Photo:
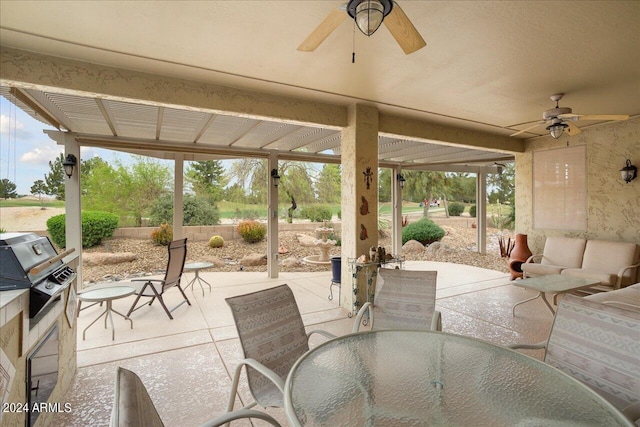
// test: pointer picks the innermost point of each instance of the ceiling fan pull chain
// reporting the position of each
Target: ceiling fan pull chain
(353, 54)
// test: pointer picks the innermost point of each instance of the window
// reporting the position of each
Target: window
(560, 189)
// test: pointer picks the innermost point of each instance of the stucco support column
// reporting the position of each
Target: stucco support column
(73, 205)
(396, 196)
(481, 211)
(178, 197)
(272, 220)
(359, 153)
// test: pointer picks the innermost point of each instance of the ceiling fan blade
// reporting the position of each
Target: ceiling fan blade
(403, 30)
(597, 116)
(323, 30)
(527, 129)
(572, 130)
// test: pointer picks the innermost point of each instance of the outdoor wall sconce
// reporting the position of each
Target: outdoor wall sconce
(401, 180)
(275, 177)
(629, 172)
(69, 164)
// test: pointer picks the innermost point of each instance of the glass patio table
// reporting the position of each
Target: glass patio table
(420, 378)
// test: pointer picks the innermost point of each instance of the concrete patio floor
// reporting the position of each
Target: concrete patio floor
(187, 363)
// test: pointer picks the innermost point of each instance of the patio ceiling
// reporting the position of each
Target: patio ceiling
(488, 67)
(162, 132)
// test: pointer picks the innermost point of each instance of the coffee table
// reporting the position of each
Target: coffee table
(196, 267)
(551, 283)
(107, 295)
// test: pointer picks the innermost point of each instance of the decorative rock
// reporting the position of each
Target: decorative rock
(438, 249)
(412, 246)
(254, 259)
(306, 240)
(291, 262)
(104, 258)
(450, 231)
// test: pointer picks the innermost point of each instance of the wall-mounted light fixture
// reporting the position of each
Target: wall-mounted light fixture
(275, 177)
(401, 180)
(629, 172)
(69, 164)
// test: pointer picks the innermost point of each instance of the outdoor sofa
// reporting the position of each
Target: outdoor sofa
(613, 264)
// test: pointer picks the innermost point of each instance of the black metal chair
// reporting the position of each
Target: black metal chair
(155, 288)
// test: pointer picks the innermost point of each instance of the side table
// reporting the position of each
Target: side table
(196, 267)
(107, 295)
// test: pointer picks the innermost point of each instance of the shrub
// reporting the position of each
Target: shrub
(216, 242)
(162, 235)
(424, 231)
(2, 230)
(252, 231)
(456, 209)
(95, 227)
(472, 211)
(196, 211)
(317, 213)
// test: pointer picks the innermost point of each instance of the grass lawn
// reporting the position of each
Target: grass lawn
(25, 202)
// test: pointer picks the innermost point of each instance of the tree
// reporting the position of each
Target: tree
(502, 185)
(55, 178)
(424, 186)
(7, 189)
(328, 186)
(207, 179)
(39, 188)
(384, 185)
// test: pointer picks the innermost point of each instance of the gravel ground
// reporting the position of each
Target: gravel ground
(458, 247)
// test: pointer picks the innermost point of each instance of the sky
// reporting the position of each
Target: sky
(25, 150)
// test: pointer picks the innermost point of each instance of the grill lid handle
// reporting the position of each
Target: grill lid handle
(38, 268)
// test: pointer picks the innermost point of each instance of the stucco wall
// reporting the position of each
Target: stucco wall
(613, 207)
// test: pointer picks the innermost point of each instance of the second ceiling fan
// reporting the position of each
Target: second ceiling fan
(368, 15)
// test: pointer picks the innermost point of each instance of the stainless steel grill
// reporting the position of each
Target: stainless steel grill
(29, 261)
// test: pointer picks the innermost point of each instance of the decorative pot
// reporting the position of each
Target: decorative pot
(519, 255)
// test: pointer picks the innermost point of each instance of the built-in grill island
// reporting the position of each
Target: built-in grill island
(29, 261)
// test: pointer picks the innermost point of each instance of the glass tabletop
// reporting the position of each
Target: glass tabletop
(555, 283)
(420, 378)
(104, 294)
(199, 265)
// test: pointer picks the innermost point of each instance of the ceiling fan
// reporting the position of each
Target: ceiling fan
(560, 119)
(368, 15)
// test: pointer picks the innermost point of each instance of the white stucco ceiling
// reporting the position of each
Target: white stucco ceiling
(487, 65)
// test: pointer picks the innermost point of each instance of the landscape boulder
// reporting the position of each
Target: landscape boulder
(439, 249)
(306, 240)
(413, 246)
(107, 258)
(291, 262)
(254, 259)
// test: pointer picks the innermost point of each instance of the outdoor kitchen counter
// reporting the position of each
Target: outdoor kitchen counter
(12, 303)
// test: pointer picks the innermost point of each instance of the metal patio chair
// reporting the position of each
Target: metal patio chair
(273, 338)
(155, 288)
(404, 299)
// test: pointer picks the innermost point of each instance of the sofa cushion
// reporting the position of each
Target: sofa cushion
(605, 279)
(563, 251)
(609, 257)
(533, 269)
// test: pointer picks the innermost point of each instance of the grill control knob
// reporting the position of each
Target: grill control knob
(48, 285)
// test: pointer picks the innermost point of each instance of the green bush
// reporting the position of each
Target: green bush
(424, 231)
(472, 211)
(456, 209)
(95, 227)
(162, 235)
(252, 231)
(216, 242)
(316, 213)
(196, 211)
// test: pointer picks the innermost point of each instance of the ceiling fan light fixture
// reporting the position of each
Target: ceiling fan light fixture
(369, 14)
(556, 129)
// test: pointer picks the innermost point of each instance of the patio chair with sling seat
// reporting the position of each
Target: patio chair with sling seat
(403, 299)
(133, 407)
(273, 338)
(155, 288)
(599, 345)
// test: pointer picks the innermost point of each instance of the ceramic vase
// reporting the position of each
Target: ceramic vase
(519, 255)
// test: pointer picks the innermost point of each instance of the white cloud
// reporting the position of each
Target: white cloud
(8, 126)
(41, 155)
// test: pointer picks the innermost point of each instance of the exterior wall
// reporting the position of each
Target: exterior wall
(613, 207)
